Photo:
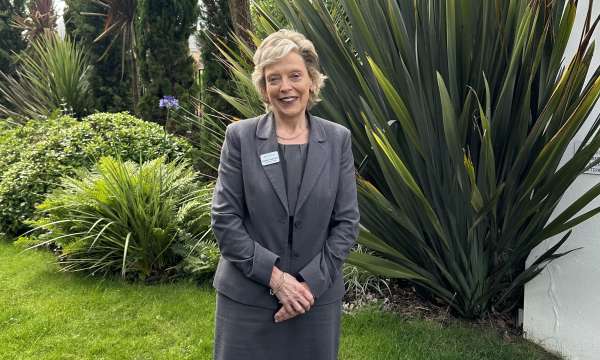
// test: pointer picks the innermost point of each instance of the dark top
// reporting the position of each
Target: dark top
(293, 159)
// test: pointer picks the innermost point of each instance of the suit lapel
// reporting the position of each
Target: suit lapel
(266, 143)
(315, 159)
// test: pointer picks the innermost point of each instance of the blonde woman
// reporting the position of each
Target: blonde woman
(285, 215)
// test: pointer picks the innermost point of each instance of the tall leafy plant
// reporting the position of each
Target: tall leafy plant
(461, 112)
(166, 66)
(215, 23)
(119, 18)
(11, 40)
(52, 74)
(110, 76)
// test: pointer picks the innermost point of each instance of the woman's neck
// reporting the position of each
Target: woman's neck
(291, 125)
(292, 130)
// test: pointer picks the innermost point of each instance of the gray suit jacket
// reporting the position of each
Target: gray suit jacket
(251, 221)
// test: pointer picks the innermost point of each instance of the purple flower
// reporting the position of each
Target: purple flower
(169, 102)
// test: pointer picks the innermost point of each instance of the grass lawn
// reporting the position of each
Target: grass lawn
(45, 314)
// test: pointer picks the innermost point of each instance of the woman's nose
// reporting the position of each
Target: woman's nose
(285, 84)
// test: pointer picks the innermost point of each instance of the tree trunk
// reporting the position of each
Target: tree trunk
(240, 17)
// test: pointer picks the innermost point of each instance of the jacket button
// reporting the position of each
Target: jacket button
(298, 224)
(296, 254)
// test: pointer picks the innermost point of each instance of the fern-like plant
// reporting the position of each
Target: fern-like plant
(124, 218)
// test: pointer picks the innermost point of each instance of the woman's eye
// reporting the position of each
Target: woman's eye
(273, 80)
(296, 76)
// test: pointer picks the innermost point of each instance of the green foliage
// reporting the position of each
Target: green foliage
(10, 37)
(458, 135)
(109, 78)
(199, 260)
(216, 25)
(206, 134)
(359, 283)
(124, 218)
(52, 74)
(166, 66)
(460, 119)
(237, 57)
(119, 17)
(34, 156)
(267, 10)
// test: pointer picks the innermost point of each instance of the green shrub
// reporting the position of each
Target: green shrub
(199, 262)
(34, 156)
(52, 74)
(129, 219)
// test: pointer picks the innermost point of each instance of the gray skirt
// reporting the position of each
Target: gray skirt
(249, 332)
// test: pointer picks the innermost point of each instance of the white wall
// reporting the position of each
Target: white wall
(562, 305)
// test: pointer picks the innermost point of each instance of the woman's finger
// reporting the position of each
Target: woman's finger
(308, 295)
(294, 307)
(289, 308)
(304, 303)
(281, 315)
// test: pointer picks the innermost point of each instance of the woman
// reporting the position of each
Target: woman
(285, 215)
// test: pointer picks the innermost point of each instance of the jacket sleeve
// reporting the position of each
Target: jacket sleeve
(227, 214)
(324, 268)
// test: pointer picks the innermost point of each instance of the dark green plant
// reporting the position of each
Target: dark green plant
(199, 262)
(166, 66)
(461, 112)
(125, 218)
(10, 37)
(215, 25)
(52, 74)
(119, 18)
(33, 157)
(110, 79)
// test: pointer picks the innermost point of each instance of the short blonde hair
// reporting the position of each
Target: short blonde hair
(278, 45)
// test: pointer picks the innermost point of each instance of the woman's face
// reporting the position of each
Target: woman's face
(288, 87)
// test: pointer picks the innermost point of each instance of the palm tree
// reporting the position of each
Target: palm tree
(40, 20)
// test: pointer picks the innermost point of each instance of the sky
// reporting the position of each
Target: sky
(59, 6)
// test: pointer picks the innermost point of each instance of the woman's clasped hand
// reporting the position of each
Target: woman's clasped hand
(295, 297)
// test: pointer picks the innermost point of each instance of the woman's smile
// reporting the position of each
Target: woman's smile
(288, 99)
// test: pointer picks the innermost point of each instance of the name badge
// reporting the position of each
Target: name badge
(269, 158)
